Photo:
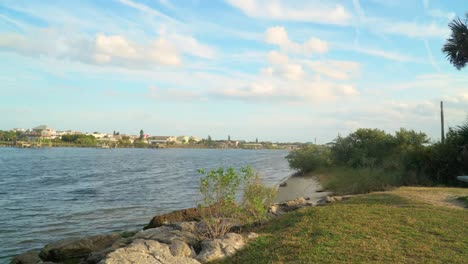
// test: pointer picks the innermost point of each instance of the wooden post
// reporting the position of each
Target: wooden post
(442, 121)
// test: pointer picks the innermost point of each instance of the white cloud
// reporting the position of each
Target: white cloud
(163, 52)
(292, 71)
(279, 36)
(144, 8)
(104, 48)
(272, 88)
(414, 30)
(311, 11)
(192, 46)
(437, 13)
(275, 57)
(116, 46)
(389, 55)
(335, 69)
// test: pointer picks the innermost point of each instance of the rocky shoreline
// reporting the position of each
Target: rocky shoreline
(176, 237)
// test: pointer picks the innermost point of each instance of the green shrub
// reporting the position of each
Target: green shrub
(256, 198)
(309, 158)
(219, 189)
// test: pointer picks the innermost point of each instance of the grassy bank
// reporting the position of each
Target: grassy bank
(406, 225)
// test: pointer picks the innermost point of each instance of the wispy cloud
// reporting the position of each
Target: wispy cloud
(312, 11)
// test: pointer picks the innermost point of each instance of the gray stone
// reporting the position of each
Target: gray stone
(181, 249)
(76, 248)
(213, 249)
(186, 226)
(145, 252)
(337, 198)
(329, 199)
(30, 257)
(167, 234)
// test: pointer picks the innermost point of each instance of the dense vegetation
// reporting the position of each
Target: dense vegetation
(373, 160)
(391, 227)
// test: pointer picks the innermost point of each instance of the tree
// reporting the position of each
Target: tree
(209, 138)
(142, 134)
(256, 140)
(456, 47)
(229, 137)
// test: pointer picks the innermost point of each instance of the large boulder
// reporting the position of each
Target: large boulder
(181, 249)
(190, 214)
(213, 249)
(30, 257)
(77, 248)
(168, 234)
(146, 252)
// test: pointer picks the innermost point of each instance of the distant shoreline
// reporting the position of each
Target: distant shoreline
(171, 147)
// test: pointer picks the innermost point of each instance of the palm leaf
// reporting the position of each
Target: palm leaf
(456, 47)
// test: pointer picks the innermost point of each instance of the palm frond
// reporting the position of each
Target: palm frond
(456, 47)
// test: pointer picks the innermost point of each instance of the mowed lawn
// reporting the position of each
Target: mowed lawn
(399, 226)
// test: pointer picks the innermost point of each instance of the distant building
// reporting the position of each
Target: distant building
(183, 139)
(45, 131)
(162, 139)
(98, 135)
(194, 139)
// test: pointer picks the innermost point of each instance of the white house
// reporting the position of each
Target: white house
(183, 139)
(161, 139)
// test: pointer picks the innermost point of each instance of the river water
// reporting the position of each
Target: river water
(54, 193)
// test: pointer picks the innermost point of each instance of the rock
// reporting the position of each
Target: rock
(76, 248)
(145, 252)
(293, 204)
(273, 208)
(329, 199)
(252, 235)
(186, 226)
(190, 214)
(346, 197)
(213, 249)
(168, 234)
(283, 184)
(181, 249)
(337, 198)
(30, 257)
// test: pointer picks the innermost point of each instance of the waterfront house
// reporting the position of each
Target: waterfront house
(45, 131)
(162, 140)
(183, 139)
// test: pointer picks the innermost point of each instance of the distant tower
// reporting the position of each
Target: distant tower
(256, 140)
(229, 137)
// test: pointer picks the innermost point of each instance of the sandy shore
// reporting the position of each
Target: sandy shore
(300, 186)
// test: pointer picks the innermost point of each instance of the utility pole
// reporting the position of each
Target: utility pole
(442, 121)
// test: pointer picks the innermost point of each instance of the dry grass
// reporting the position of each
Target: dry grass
(438, 196)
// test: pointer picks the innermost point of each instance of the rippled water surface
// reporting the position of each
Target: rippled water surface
(54, 193)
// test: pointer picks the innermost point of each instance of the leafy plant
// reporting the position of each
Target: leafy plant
(220, 189)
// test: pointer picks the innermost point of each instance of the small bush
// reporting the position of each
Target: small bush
(219, 189)
(255, 200)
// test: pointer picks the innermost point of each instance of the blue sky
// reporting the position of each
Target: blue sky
(276, 70)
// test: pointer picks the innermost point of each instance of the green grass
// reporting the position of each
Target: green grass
(371, 228)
